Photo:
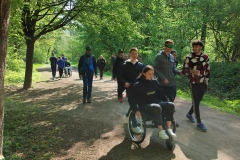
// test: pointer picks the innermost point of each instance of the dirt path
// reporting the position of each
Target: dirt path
(98, 130)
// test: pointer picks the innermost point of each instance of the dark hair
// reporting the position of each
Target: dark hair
(145, 70)
(133, 49)
(173, 51)
(168, 41)
(88, 48)
(120, 51)
(197, 42)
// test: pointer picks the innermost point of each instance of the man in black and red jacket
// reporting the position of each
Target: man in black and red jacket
(197, 67)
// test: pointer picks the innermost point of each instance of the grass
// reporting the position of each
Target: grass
(226, 106)
(23, 139)
(16, 78)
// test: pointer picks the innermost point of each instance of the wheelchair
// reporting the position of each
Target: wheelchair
(67, 74)
(146, 122)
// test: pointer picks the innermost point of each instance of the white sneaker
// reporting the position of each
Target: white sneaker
(171, 133)
(137, 130)
(163, 135)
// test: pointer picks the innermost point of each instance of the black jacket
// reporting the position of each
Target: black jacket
(101, 63)
(129, 71)
(147, 92)
(67, 64)
(117, 64)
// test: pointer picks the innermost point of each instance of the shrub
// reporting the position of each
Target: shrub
(14, 64)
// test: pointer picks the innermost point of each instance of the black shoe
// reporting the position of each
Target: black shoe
(89, 101)
(84, 100)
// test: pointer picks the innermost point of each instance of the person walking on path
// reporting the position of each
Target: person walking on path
(112, 59)
(116, 74)
(129, 72)
(87, 68)
(197, 67)
(53, 63)
(164, 70)
(101, 63)
(61, 65)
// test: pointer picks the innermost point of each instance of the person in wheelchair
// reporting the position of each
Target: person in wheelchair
(67, 68)
(152, 101)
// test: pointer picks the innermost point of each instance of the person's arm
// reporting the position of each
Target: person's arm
(122, 74)
(80, 62)
(157, 67)
(94, 65)
(160, 92)
(186, 67)
(207, 70)
(104, 63)
(114, 69)
(134, 88)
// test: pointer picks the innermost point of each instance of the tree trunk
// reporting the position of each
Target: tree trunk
(204, 26)
(4, 22)
(29, 63)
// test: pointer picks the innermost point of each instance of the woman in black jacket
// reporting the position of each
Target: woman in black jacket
(101, 63)
(149, 97)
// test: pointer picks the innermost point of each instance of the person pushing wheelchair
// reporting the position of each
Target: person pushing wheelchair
(152, 101)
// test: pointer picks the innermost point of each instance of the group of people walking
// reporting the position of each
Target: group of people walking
(146, 94)
(61, 63)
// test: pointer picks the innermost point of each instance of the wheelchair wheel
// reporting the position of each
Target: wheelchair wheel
(169, 142)
(136, 137)
(170, 145)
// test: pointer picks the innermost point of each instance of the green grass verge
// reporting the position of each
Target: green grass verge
(16, 78)
(23, 137)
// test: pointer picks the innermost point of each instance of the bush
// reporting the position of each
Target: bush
(224, 80)
(14, 64)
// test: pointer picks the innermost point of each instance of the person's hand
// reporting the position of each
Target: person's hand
(138, 114)
(181, 74)
(127, 85)
(166, 81)
(115, 79)
(80, 76)
(95, 76)
(195, 72)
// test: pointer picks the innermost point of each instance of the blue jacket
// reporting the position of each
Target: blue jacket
(87, 65)
(60, 63)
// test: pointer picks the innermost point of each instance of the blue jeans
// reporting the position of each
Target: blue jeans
(87, 86)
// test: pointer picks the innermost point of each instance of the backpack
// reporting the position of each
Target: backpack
(87, 65)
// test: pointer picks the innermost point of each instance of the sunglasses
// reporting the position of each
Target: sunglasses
(170, 46)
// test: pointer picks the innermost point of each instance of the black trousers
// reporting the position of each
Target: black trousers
(197, 92)
(158, 111)
(120, 88)
(101, 72)
(60, 70)
(170, 92)
(53, 68)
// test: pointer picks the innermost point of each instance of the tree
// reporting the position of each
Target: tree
(41, 17)
(4, 22)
